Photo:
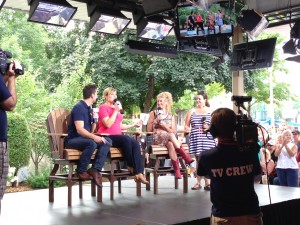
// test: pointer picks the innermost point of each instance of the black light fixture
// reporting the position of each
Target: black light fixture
(252, 22)
(2, 3)
(290, 47)
(107, 20)
(52, 12)
(153, 27)
(147, 48)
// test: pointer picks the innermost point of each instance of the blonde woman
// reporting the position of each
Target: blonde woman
(162, 123)
(287, 167)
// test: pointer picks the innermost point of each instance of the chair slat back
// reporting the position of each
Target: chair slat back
(57, 123)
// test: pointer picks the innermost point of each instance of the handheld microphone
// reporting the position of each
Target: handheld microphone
(95, 110)
(118, 103)
(159, 111)
(203, 120)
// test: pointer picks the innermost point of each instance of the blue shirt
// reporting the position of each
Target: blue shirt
(80, 112)
(4, 94)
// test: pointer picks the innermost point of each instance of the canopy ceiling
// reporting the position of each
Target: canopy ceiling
(278, 12)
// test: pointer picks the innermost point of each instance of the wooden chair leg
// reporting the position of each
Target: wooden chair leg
(93, 189)
(112, 179)
(138, 189)
(148, 179)
(80, 189)
(69, 184)
(185, 182)
(99, 194)
(51, 190)
(176, 182)
(119, 185)
(155, 184)
(51, 183)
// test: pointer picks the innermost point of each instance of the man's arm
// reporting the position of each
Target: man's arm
(84, 133)
(10, 77)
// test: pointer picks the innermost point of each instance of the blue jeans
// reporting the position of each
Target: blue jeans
(288, 177)
(88, 146)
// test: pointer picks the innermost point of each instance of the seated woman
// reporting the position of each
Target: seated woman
(110, 122)
(162, 123)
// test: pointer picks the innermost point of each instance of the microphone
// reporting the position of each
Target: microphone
(203, 120)
(95, 110)
(118, 103)
(159, 111)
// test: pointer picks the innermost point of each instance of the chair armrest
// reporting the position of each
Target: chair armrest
(62, 135)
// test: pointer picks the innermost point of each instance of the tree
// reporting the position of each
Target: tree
(139, 78)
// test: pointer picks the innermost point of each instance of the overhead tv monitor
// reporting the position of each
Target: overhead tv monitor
(253, 55)
(194, 22)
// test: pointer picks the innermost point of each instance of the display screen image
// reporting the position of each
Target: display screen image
(195, 22)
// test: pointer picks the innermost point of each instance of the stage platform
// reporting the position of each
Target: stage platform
(170, 206)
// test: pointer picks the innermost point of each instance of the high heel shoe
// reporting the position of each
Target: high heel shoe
(130, 169)
(140, 177)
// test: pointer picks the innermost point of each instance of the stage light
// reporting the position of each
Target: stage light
(147, 48)
(2, 3)
(107, 20)
(53, 12)
(153, 28)
(289, 47)
(252, 22)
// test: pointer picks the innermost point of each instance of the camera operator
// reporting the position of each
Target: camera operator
(8, 100)
(232, 172)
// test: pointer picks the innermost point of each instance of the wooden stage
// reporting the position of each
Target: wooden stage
(170, 206)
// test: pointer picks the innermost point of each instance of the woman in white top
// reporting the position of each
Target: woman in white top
(287, 167)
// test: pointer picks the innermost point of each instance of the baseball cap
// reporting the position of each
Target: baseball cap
(295, 131)
(270, 143)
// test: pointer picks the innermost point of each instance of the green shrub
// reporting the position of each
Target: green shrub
(19, 140)
(41, 180)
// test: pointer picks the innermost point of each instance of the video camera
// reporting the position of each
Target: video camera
(4, 64)
(246, 129)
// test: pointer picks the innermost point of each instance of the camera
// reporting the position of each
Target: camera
(246, 129)
(4, 64)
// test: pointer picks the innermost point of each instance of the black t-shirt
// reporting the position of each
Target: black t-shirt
(232, 179)
(4, 94)
(80, 112)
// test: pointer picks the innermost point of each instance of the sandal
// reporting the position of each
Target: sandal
(197, 187)
(207, 187)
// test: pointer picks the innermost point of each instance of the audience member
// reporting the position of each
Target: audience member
(287, 167)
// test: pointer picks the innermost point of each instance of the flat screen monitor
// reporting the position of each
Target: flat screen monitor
(253, 55)
(194, 22)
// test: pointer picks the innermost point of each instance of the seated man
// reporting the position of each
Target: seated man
(81, 137)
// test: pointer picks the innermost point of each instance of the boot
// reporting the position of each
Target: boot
(188, 160)
(176, 169)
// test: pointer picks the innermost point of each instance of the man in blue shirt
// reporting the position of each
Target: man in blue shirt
(81, 137)
(8, 100)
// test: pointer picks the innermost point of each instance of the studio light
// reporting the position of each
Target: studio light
(53, 12)
(289, 47)
(252, 22)
(107, 20)
(2, 3)
(153, 28)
